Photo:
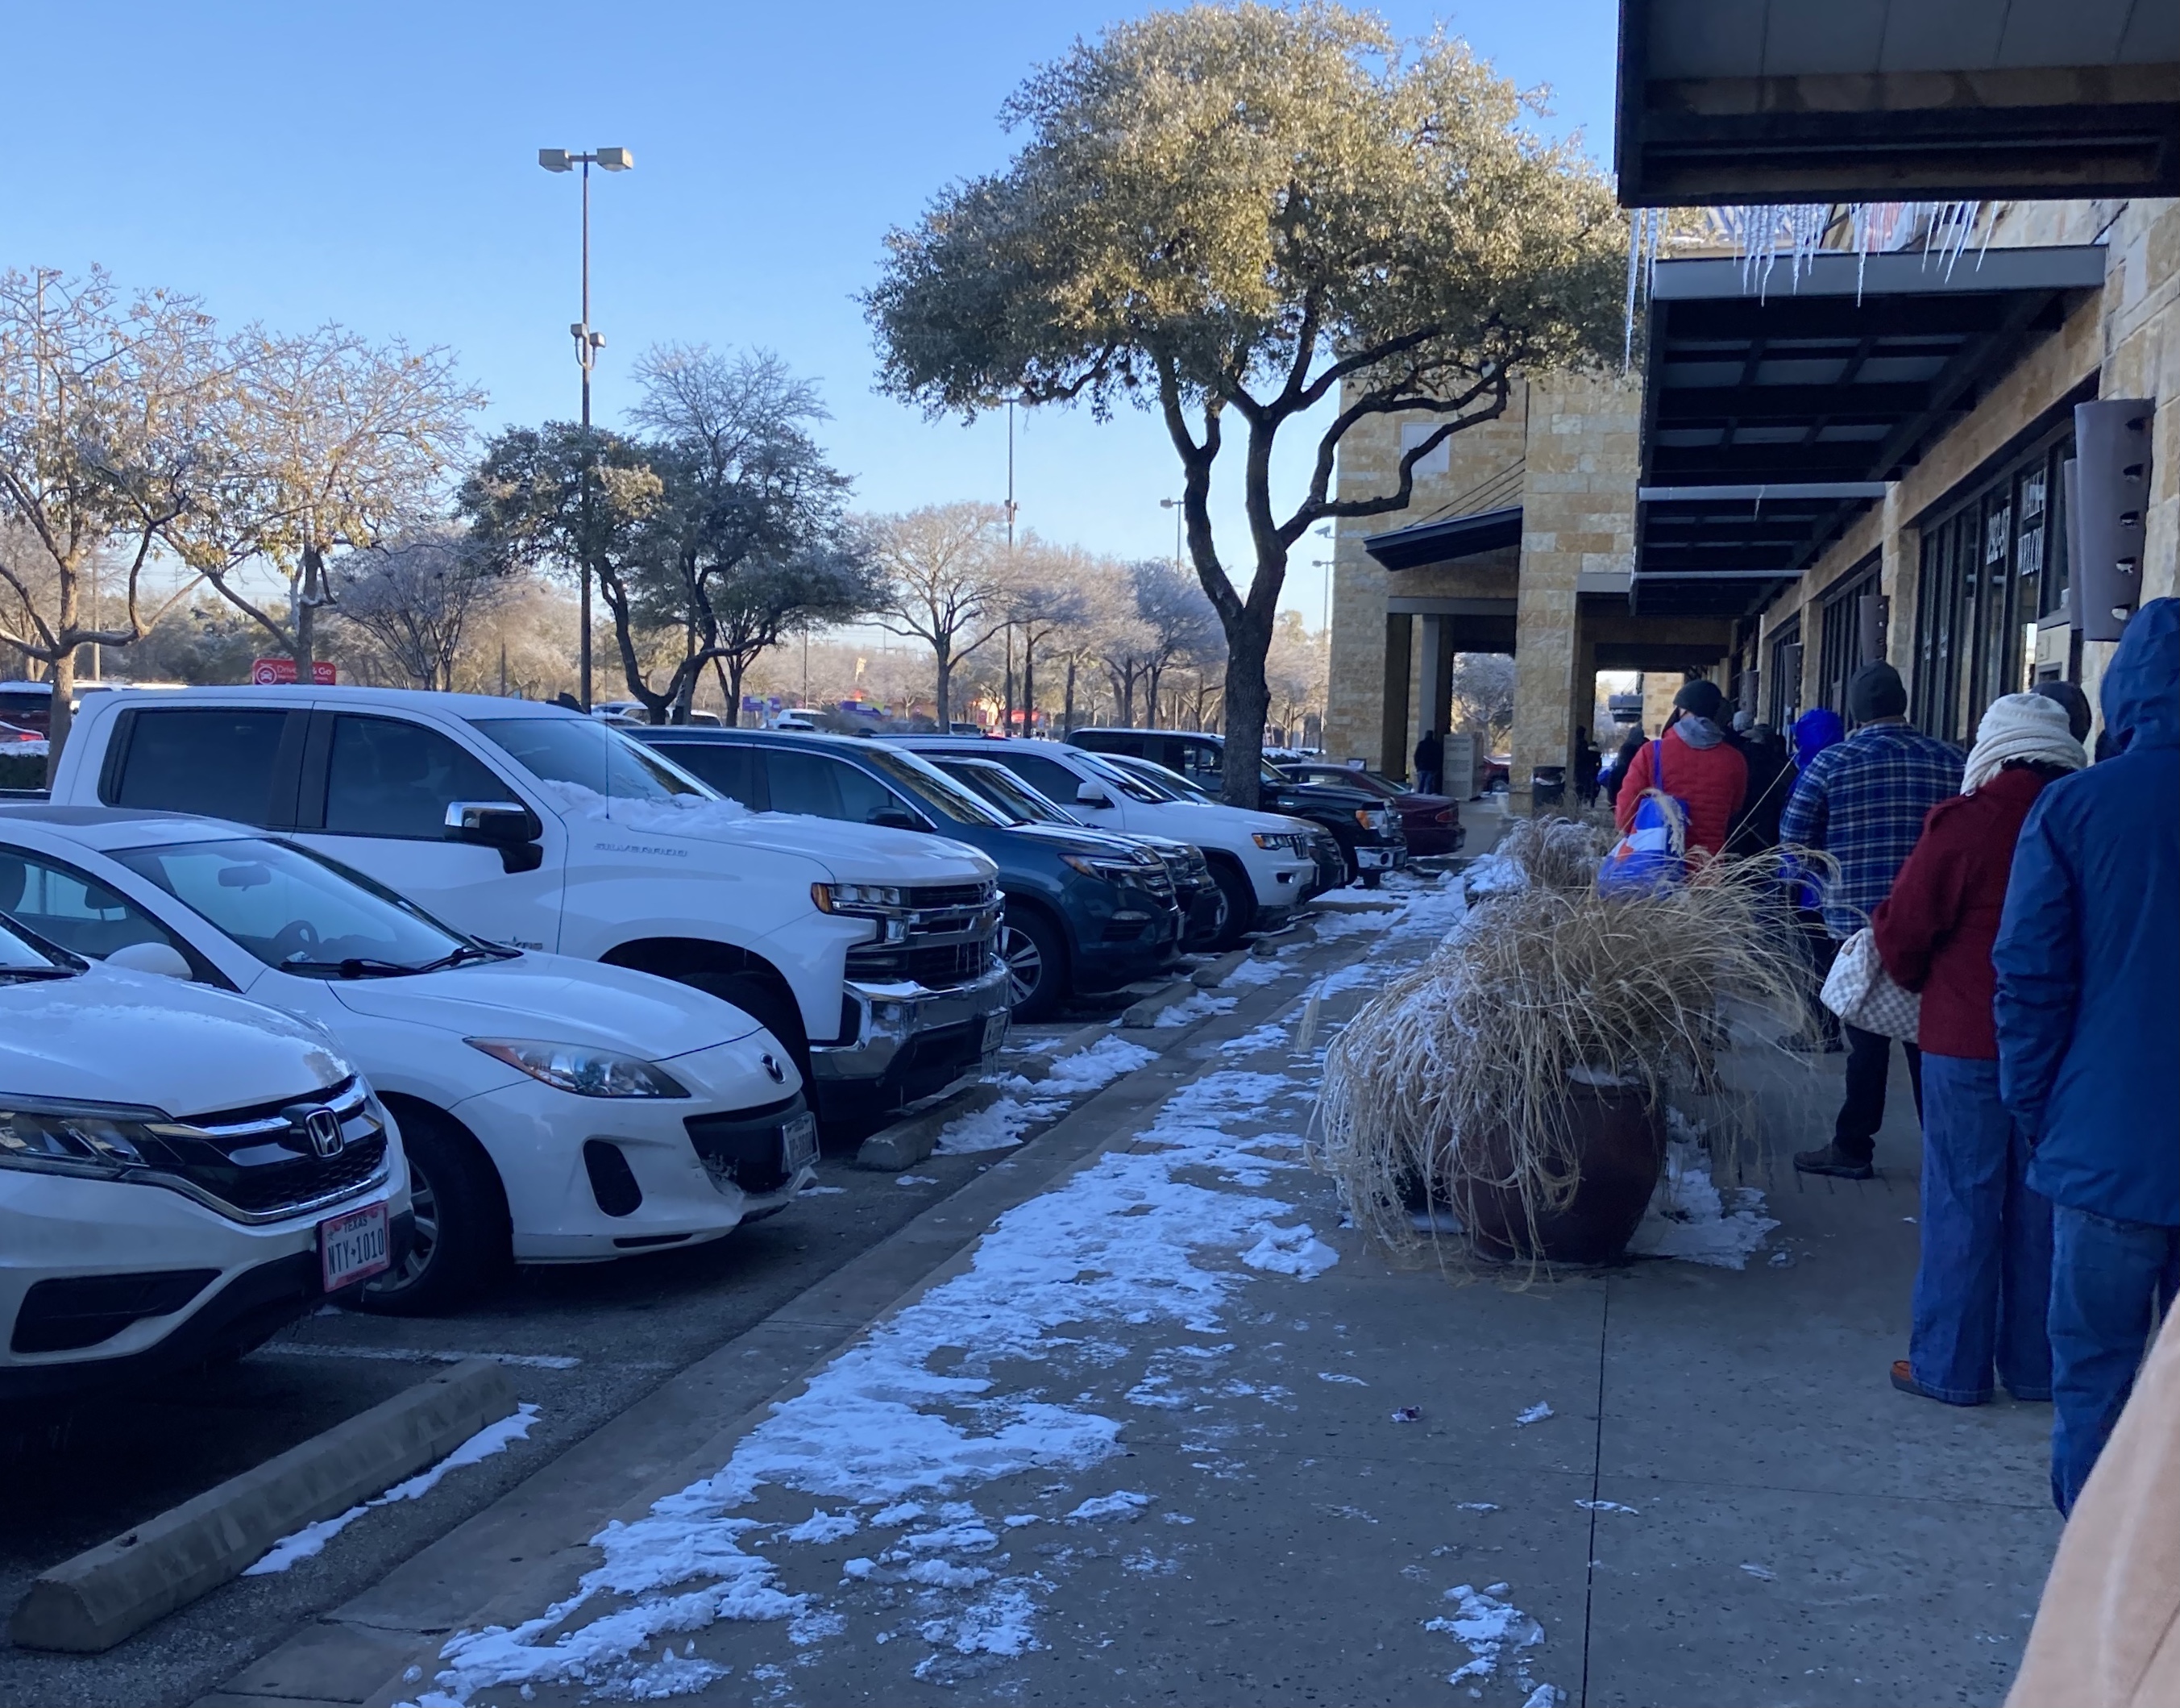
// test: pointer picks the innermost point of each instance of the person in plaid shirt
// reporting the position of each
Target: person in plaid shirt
(1863, 802)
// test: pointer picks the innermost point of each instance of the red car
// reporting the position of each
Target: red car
(1431, 823)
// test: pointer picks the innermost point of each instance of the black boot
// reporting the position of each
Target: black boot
(1833, 1161)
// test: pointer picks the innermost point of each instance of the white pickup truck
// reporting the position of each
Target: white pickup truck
(870, 952)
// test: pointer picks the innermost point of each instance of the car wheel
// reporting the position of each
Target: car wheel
(461, 1237)
(1241, 903)
(1037, 965)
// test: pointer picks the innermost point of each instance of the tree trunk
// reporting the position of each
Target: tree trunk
(730, 684)
(62, 674)
(302, 621)
(942, 694)
(1247, 700)
(1067, 712)
(1151, 698)
(1029, 681)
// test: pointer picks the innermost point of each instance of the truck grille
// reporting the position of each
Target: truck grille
(258, 1163)
(937, 967)
(931, 895)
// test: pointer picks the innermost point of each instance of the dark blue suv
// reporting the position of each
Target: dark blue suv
(1085, 911)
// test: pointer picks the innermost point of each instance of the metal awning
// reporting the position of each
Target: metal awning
(1783, 101)
(1447, 540)
(1777, 405)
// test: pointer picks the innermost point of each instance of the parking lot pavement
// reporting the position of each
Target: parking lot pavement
(583, 1343)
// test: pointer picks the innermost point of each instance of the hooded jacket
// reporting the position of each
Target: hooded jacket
(1814, 731)
(2088, 1001)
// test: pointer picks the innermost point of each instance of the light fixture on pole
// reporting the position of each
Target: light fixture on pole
(588, 344)
(1174, 505)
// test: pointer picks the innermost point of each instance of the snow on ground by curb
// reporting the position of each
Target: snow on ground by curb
(1689, 1218)
(1002, 1124)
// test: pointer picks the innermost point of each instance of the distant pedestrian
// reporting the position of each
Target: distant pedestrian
(2088, 1008)
(1985, 1278)
(1695, 765)
(1755, 827)
(1814, 731)
(1585, 769)
(1863, 803)
(1430, 763)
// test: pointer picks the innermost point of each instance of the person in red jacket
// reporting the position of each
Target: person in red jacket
(1983, 1282)
(1703, 770)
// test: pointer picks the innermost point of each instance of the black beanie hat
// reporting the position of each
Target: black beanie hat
(1876, 692)
(1701, 698)
(2076, 703)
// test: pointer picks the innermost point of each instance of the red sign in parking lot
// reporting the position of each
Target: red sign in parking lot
(274, 670)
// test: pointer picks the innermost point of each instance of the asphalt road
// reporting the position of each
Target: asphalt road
(582, 1343)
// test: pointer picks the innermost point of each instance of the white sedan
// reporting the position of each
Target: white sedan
(554, 1111)
(182, 1173)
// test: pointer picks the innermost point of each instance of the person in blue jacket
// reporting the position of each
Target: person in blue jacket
(2088, 1025)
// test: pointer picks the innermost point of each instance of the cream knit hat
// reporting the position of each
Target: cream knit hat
(2021, 726)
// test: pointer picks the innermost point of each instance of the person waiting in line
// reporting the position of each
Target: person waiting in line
(1755, 828)
(1814, 731)
(1585, 769)
(2088, 1008)
(2070, 695)
(1430, 763)
(1630, 744)
(1695, 765)
(1985, 1278)
(1863, 803)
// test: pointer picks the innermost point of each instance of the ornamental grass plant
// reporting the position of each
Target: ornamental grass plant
(1455, 1078)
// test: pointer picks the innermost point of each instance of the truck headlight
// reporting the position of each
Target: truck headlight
(1377, 818)
(865, 899)
(585, 1072)
(1278, 841)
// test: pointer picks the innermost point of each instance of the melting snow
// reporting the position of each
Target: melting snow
(1688, 1217)
(1491, 1627)
(1535, 1414)
(311, 1538)
(1197, 1006)
(1296, 1251)
(1123, 1503)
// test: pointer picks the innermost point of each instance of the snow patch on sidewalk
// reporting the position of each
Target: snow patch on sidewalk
(1690, 1219)
(1118, 1243)
(1294, 1251)
(1494, 1631)
(1200, 1005)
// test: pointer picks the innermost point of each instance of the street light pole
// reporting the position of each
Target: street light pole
(588, 344)
(1174, 505)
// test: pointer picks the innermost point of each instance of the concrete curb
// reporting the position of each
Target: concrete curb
(906, 1142)
(87, 1605)
(1146, 1012)
(1210, 978)
(1351, 904)
(1039, 1067)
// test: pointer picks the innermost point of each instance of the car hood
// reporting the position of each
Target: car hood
(851, 853)
(1232, 818)
(1068, 842)
(555, 998)
(115, 1036)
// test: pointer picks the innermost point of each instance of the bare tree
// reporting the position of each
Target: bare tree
(338, 442)
(1180, 626)
(108, 411)
(419, 596)
(945, 574)
(1048, 594)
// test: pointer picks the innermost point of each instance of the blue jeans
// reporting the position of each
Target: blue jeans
(1985, 1283)
(2108, 1280)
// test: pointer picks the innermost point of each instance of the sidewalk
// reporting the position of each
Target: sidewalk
(1168, 1432)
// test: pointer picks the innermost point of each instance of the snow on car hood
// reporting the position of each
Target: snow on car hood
(115, 1036)
(851, 853)
(555, 998)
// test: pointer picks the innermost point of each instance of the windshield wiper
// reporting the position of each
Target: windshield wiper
(468, 952)
(35, 972)
(364, 966)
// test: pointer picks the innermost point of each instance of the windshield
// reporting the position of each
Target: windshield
(1005, 790)
(932, 787)
(1343, 777)
(589, 756)
(298, 913)
(1122, 777)
(1161, 784)
(24, 955)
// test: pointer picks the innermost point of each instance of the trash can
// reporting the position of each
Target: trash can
(1547, 787)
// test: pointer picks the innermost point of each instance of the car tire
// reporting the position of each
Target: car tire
(1036, 955)
(1241, 903)
(1374, 880)
(462, 1238)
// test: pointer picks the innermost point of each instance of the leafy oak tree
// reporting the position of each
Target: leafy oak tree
(1231, 215)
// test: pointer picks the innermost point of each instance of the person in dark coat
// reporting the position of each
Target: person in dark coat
(1863, 802)
(2088, 1008)
(1430, 762)
(1630, 744)
(1770, 780)
(1985, 1277)
(1585, 769)
(2077, 703)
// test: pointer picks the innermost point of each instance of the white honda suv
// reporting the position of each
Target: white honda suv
(182, 1173)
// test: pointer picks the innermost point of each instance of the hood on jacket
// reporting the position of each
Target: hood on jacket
(1814, 731)
(2142, 684)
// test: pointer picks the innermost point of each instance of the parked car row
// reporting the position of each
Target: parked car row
(364, 995)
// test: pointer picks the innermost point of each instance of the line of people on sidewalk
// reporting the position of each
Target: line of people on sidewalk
(2033, 902)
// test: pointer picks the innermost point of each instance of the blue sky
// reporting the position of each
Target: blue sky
(376, 164)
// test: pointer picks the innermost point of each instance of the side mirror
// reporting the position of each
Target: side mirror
(1091, 794)
(162, 958)
(506, 825)
(896, 818)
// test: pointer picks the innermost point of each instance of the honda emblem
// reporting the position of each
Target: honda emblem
(323, 1129)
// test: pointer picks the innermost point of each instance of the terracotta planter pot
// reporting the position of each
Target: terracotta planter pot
(1620, 1137)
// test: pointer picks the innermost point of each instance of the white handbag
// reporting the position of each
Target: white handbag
(1861, 993)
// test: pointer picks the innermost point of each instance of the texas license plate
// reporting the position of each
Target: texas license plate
(352, 1246)
(995, 1032)
(801, 1135)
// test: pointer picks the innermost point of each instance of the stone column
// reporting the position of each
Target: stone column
(1400, 645)
(1436, 708)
